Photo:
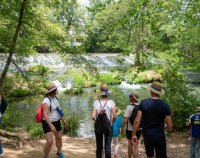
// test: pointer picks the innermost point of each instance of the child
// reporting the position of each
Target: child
(116, 130)
(194, 121)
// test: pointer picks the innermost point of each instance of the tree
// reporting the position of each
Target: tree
(26, 24)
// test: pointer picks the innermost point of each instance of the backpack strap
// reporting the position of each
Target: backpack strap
(104, 104)
(130, 115)
(50, 101)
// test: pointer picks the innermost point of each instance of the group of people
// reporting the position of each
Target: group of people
(153, 116)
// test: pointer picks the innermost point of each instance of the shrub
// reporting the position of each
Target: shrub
(38, 69)
(20, 92)
(106, 78)
(9, 119)
(147, 76)
(73, 125)
(78, 80)
(36, 131)
(74, 91)
(178, 95)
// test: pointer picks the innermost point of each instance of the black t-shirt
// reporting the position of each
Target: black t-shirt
(153, 114)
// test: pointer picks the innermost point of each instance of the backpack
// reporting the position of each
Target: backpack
(102, 123)
(39, 113)
(134, 114)
(3, 106)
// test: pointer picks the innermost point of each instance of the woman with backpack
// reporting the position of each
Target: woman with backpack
(129, 116)
(52, 114)
(104, 115)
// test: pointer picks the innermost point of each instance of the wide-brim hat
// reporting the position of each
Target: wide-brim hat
(51, 88)
(156, 88)
(197, 109)
(104, 90)
(135, 95)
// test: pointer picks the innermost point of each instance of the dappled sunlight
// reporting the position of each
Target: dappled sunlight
(177, 147)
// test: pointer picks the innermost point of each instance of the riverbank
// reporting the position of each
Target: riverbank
(177, 146)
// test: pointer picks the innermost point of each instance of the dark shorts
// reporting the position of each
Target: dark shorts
(129, 134)
(47, 129)
(155, 142)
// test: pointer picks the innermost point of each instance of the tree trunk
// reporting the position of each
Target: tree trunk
(13, 44)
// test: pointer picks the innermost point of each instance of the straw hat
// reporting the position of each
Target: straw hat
(156, 88)
(104, 90)
(197, 109)
(135, 95)
(51, 88)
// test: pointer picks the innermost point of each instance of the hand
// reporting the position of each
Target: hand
(65, 124)
(134, 139)
(53, 129)
(94, 118)
(187, 124)
(122, 131)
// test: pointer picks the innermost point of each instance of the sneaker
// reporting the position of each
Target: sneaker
(60, 155)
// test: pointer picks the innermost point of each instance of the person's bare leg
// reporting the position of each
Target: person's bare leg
(48, 144)
(115, 142)
(135, 150)
(58, 137)
(130, 148)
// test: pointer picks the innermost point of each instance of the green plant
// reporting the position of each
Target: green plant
(106, 78)
(20, 92)
(78, 80)
(178, 95)
(9, 119)
(38, 69)
(73, 125)
(36, 131)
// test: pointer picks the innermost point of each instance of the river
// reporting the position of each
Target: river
(76, 105)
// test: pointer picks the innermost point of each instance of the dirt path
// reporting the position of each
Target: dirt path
(178, 147)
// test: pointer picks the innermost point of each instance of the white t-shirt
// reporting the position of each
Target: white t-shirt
(108, 107)
(53, 114)
(127, 115)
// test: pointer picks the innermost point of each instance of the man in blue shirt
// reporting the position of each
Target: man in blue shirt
(155, 113)
(194, 120)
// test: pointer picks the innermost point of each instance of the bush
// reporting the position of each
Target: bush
(178, 95)
(106, 78)
(74, 91)
(9, 82)
(20, 92)
(36, 131)
(147, 77)
(9, 119)
(78, 80)
(133, 76)
(38, 69)
(73, 125)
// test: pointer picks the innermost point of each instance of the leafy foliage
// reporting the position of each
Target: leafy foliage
(35, 131)
(178, 95)
(73, 125)
(38, 69)
(9, 119)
